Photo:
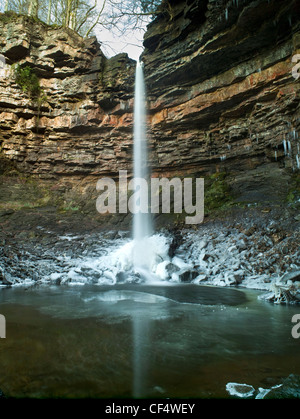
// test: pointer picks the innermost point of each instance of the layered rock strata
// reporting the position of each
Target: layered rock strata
(222, 94)
(221, 97)
(81, 126)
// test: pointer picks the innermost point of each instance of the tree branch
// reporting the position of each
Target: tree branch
(97, 20)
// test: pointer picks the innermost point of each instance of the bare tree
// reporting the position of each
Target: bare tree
(49, 12)
(86, 16)
(18, 6)
(33, 7)
(132, 14)
(96, 22)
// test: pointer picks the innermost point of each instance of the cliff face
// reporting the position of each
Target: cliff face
(221, 91)
(221, 97)
(81, 123)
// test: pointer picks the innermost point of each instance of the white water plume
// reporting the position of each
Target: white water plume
(142, 222)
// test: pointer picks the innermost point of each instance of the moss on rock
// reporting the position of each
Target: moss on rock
(217, 192)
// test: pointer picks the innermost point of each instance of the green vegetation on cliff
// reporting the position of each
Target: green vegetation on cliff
(29, 82)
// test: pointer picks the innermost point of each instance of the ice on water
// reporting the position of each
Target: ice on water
(114, 296)
(117, 263)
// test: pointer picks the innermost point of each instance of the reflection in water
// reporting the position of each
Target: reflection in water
(122, 341)
(141, 333)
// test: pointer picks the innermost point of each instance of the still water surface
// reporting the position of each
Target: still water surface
(142, 341)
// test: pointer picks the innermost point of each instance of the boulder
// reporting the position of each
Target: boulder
(289, 389)
(187, 275)
(290, 276)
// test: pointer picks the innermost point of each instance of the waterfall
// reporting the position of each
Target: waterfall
(142, 223)
(142, 226)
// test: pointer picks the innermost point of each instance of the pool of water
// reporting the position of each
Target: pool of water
(142, 341)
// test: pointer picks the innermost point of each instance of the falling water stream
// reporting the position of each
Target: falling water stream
(142, 223)
(142, 226)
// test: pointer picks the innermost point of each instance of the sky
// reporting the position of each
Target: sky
(131, 40)
(112, 44)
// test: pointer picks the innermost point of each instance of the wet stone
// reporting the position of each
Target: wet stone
(171, 268)
(187, 276)
(290, 389)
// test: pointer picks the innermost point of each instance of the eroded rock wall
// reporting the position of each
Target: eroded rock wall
(82, 126)
(221, 97)
(222, 94)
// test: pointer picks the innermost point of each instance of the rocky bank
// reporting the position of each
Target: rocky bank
(246, 248)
